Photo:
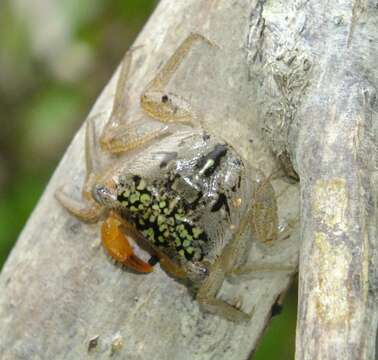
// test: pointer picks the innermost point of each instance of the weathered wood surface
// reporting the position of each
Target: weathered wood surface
(318, 68)
(62, 298)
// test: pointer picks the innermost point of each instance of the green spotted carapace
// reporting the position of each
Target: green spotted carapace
(162, 217)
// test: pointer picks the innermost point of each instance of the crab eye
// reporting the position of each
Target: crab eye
(97, 193)
(102, 195)
(122, 180)
(204, 270)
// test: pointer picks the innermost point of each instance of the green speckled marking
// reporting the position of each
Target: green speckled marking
(186, 243)
(179, 217)
(171, 221)
(149, 233)
(134, 197)
(162, 219)
(141, 185)
(196, 232)
(126, 193)
(163, 227)
(145, 199)
(184, 233)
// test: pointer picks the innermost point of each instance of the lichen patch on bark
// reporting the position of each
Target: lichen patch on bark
(330, 203)
(331, 289)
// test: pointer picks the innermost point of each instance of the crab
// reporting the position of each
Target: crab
(183, 194)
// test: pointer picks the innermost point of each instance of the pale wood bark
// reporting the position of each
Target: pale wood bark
(62, 298)
(319, 74)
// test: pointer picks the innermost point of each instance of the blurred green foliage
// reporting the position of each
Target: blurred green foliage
(44, 99)
(278, 342)
(51, 70)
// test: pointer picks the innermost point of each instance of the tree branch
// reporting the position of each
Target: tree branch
(61, 297)
(320, 84)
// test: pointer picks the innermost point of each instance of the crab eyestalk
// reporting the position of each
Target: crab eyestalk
(105, 194)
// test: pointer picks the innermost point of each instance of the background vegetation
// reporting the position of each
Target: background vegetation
(55, 57)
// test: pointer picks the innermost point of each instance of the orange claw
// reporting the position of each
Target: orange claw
(116, 244)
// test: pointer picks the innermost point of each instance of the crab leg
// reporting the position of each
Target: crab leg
(118, 247)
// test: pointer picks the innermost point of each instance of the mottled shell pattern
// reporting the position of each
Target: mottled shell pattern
(186, 195)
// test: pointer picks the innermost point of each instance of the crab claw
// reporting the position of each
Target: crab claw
(117, 245)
